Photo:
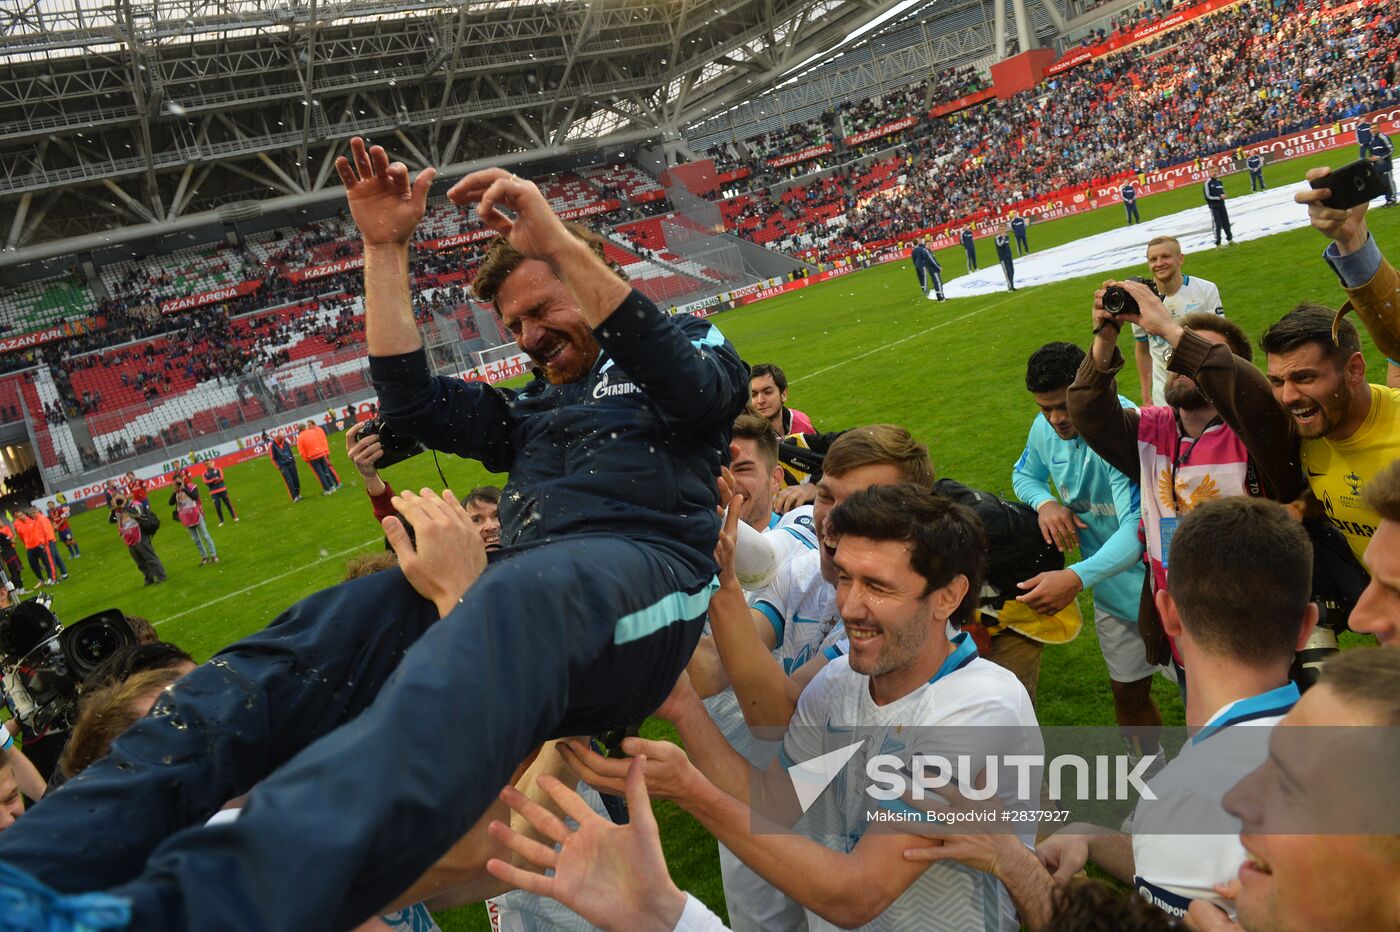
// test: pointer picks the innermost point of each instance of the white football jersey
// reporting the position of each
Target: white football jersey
(837, 709)
(1195, 294)
(1184, 842)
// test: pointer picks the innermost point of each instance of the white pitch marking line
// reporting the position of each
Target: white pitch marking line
(272, 579)
(912, 336)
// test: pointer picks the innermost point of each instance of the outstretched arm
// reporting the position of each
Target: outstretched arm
(445, 414)
(387, 209)
(1372, 284)
(1239, 392)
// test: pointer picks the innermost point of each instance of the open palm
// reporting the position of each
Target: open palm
(384, 205)
(612, 875)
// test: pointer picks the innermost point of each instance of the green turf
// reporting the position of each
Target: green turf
(861, 349)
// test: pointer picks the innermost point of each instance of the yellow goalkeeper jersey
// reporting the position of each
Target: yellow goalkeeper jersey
(1338, 470)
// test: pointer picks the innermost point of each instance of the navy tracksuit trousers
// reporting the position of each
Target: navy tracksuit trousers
(371, 736)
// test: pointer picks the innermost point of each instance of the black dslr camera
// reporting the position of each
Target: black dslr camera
(1117, 300)
(397, 446)
(44, 663)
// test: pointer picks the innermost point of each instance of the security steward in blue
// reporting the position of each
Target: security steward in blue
(1018, 230)
(1219, 217)
(1129, 195)
(1255, 164)
(1380, 153)
(1008, 267)
(969, 246)
(930, 272)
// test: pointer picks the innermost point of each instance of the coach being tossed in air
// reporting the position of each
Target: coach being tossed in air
(608, 525)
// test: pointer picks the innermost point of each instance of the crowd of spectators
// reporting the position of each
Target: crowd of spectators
(1254, 71)
(929, 607)
(951, 83)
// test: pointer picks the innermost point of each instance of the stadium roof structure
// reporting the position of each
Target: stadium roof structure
(122, 112)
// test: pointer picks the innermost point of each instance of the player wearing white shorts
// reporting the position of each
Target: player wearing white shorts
(792, 613)
(1098, 510)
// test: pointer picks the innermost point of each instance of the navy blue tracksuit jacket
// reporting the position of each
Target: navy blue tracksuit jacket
(370, 733)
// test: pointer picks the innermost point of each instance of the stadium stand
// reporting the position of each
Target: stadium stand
(41, 304)
(1182, 94)
(181, 273)
(1185, 94)
(625, 182)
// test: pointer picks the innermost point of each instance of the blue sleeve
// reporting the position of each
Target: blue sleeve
(1359, 267)
(688, 369)
(1030, 476)
(1123, 549)
(471, 419)
(775, 618)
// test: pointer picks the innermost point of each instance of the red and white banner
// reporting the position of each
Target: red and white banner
(498, 371)
(962, 103)
(327, 268)
(484, 233)
(792, 158)
(47, 335)
(856, 139)
(175, 305)
(1077, 57)
(459, 239)
(589, 210)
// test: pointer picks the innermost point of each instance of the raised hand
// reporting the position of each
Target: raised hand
(536, 232)
(445, 555)
(384, 205)
(364, 452)
(728, 542)
(794, 496)
(612, 875)
(1346, 227)
(668, 771)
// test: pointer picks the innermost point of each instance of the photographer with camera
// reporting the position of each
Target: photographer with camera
(1181, 295)
(1182, 453)
(137, 526)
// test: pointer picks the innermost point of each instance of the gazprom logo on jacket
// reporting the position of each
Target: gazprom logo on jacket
(605, 388)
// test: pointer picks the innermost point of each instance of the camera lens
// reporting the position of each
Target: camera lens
(1116, 300)
(95, 644)
(92, 640)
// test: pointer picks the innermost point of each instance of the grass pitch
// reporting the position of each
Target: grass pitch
(861, 349)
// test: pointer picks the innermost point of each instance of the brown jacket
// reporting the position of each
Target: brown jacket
(1377, 303)
(1111, 431)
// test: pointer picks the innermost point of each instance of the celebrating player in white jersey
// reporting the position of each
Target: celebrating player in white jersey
(1182, 295)
(908, 562)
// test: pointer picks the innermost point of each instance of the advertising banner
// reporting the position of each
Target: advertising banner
(213, 296)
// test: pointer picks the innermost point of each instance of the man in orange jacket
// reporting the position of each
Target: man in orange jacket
(314, 449)
(50, 542)
(31, 534)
